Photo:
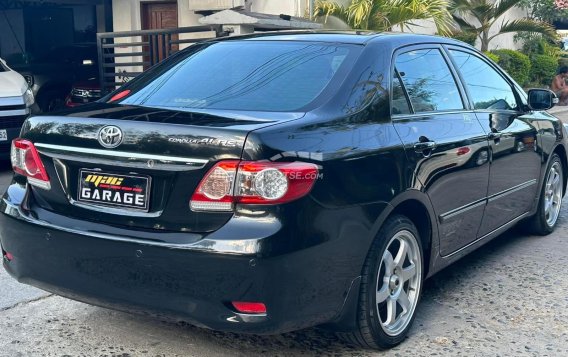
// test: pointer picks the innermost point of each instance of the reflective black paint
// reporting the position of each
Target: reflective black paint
(303, 259)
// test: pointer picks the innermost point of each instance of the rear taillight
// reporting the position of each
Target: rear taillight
(253, 182)
(215, 191)
(26, 162)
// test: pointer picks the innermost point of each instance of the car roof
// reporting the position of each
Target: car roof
(351, 37)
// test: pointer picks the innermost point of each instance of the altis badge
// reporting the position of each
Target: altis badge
(205, 141)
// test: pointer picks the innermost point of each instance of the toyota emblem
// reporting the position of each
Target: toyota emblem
(110, 136)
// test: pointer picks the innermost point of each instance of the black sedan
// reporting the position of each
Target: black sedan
(269, 183)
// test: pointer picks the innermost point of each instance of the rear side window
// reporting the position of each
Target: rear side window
(246, 75)
(428, 81)
(486, 87)
(400, 103)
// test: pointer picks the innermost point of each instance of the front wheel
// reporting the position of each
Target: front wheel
(390, 287)
(550, 201)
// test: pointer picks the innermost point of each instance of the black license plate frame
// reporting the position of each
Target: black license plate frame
(104, 189)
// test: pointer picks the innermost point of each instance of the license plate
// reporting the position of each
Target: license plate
(104, 189)
(3, 135)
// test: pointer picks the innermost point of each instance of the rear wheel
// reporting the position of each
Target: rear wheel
(550, 201)
(391, 286)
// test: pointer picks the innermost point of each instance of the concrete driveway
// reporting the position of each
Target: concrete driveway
(508, 298)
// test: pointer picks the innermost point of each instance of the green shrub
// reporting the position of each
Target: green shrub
(492, 56)
(515, 63)
(536, 44)
(551, 50)
(543, 69)
(532, 43)
(563, 61)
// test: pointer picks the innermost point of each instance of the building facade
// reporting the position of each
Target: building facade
(131, 15)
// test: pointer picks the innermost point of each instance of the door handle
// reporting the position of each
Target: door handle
(422, 146)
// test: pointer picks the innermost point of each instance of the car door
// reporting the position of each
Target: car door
(445, 145)
(515, 160)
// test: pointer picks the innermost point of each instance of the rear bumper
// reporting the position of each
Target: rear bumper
(301, 287)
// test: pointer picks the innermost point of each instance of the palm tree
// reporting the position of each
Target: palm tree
(478, 16)
(382, 15)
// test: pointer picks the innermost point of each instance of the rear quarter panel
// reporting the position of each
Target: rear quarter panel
(361, 166)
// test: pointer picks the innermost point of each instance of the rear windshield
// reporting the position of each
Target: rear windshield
(245, 75)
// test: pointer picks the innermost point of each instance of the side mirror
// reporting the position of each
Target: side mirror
(542, 99)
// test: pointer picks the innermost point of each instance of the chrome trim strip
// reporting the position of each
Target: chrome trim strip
(133, 164)
(462, 209)
(121, 154)
(493, 233)
(431, 114)
(508, 191)
(13, 113)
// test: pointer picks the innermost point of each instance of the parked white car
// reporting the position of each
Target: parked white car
(16, 100)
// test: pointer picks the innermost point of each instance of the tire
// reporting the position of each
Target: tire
(375, 330)
(550, 200)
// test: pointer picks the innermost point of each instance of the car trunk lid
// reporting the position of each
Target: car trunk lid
(163, 155)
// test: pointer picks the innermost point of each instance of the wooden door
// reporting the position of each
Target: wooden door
(157, 16)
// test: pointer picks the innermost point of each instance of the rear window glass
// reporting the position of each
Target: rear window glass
(245, 75)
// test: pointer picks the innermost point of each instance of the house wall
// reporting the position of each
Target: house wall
(506, 40)
(127, 17)
(126, 13)
(289, 7)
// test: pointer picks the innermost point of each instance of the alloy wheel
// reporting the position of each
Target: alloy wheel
(553, 194)
(398, 282)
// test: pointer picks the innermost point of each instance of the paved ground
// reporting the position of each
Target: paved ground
(507, 299)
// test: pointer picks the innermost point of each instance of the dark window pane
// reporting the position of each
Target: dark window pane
(399, 101)
(487, 88)
(428, 81)
(245, 75)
